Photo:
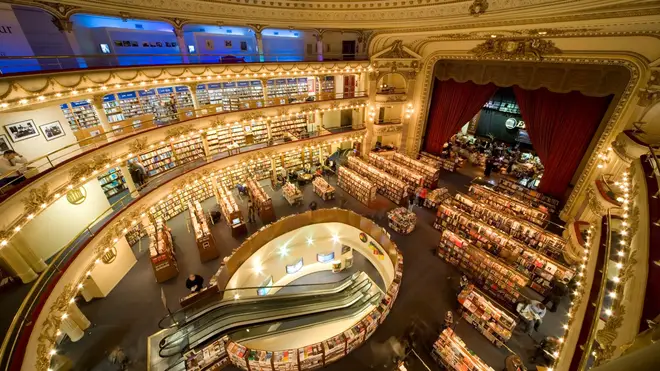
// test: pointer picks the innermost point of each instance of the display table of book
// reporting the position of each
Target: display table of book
(435, 197)
(491, 319)
(323, 189)
(292, 194)
(230, 210)
(211, 358)
(450, 352)
(402, 220)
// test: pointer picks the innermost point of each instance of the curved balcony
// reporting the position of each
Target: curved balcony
(81, 253)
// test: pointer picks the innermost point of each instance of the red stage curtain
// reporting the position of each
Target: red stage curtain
(560, 127)
(453, 104)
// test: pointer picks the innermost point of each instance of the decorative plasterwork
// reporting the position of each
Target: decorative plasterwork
(594, 202)
(387, 129)
(37, 198)
(533, 49)
(478, 7)
(603, 141)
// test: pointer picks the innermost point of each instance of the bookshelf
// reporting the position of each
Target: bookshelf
(399, 171)
(112, 108)
(436, 197)
(258, 130)
(230, 210)
(522, 231)
(135, 233)
(295, 126)
(509, 205)
(158, 160)
(176, 202)
(490, 273)
(81, 115)
(323, 189)
(203, 237)
(148, 100)
(202, 95)
(161, 252)
(292, 194)
(262, 202)
(183, 97)
(389, 186)
(356, 185)
(231, 176)
(237, 354)
(450, 352)
(541, 269)
(311, 356)
(430, 173)
(211, 357)
(259, 169)
(188, 150)
(438, 162)
(112, 182)
(529, 196)
(130, 104)
(494, 321)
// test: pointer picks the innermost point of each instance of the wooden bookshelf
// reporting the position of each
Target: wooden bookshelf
(494, 321)
(161, 252)
(438, 162)
(452, 353)
(541, 269)
(531, 197)
(430, 173)
(230, 210)
(509, 205)
(436, 197)
(176, 202)
(112, 182)
(399, 171)
(262, 202)
(323, 189)
(389, 186)
(188, 150)
(522, 231)
(203, 237)
(356, 185)
(491, 274)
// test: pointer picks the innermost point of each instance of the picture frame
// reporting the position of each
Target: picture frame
(52, 130)
(5, 144)
(126, 43)
(22, 130)
(134, 43)
(167, 44)
(145, 44)
(118, 43)
(159, 44)
(227, 43)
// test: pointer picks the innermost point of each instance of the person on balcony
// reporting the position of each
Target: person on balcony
(12, 166)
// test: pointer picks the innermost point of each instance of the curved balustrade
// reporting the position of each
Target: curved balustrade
(79, 256)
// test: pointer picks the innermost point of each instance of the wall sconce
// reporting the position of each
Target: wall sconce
(409, 110)
(372, 114)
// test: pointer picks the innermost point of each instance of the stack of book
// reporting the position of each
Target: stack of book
(450, 351)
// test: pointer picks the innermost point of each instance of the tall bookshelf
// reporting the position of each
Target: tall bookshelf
(230, 209)
(188, 150)
(262, 201)
(523, 231)
(259, 169)
(356, 185)
(509, 205)
(430, 173)
(438, 162)
(529, 196)
(389, 186)
(112, 109)
(183, 97)
(488, 272)
(112, 182)
(295, 126)
(157, 160)
(412, 178)
(80, 115)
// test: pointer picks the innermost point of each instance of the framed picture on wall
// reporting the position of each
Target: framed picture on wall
(227, 43)
(52, 130)
(5, 145)
(134, 43)
(159, 44)
(22, 130)
(145, 44)
(167, 44)
(126, 43)
(209, 44)
(118, 43)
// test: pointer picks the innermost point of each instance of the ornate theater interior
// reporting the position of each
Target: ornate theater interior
(339, 184)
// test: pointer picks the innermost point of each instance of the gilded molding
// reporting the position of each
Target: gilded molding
(515, 48)
(37, 197)
(47, 340)
(601, 145)
(620, 150)
(138, 145)
(89, 168)
(478, 7)
(179, 131)
(387, 129)
(594, 203)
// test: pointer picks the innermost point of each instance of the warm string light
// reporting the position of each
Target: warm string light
(604, 158)
(409, 110)
(155, 82)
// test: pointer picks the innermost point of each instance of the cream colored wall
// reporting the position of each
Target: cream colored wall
(38, 146)
(107, 276)
(60, 223)
(332, 119)
(271, 262)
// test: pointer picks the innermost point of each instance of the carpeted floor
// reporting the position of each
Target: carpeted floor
(132, 310)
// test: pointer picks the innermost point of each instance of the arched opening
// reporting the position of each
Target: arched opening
(392, 83)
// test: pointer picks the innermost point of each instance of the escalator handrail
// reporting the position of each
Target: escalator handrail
(346, 301)
(338, 285)
(181, 332)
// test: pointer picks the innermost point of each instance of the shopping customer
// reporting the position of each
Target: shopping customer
(411, 200)
(251, 218)
(559, 290)
(531, 314)
(194, 283)
(12, 166)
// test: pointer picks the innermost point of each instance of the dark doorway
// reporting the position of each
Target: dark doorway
(348, 50)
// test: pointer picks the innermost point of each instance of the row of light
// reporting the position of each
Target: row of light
(604, 158)
(409, 110)
(21, 222)
(88, 274)
(102, 88)
(576, 296)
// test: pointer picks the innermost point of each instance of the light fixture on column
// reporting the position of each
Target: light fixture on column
(409, 110)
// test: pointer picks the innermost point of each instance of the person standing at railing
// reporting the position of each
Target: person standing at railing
(12, 166)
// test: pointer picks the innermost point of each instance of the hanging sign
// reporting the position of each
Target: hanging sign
(165, 90)
(146, 93)
(109, 98)
(127, 95)
(181, 89)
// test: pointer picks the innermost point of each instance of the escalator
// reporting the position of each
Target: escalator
(268, 315)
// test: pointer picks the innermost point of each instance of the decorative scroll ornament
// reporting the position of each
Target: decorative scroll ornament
(594, 204)
(249, 116)
(478, 7)
(138, 145)
(647, 97)
(388, 129)
(620, 149)
(86, 169)
(179, 131)
(282, 111)
(48, 336)
(37, 198)
(519, 48)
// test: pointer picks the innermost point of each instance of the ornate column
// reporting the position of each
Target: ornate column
(369, 123)
(264, 88)
(66, 27)
(260, 42)
(71, 328)
(97, 102)
(15, 261)
(127, 178)
(319, 44)
(31, 258)
(183, 49)
(78, 317)
(193, 93)
(409, 119)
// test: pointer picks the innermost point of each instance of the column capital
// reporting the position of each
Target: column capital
(97, 100)
(63, 24)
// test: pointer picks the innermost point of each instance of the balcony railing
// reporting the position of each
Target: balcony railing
(391, 90)
(395, 121)
(18, 333)
(32, 64)
(45, 163)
